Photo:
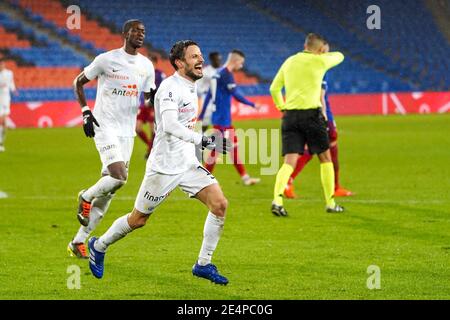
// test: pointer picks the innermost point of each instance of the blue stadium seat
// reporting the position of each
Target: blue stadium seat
(395, 59)
(368, 67)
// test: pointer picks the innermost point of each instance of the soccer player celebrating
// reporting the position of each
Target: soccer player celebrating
(122, 75)
(303, 119)
(146, 113)
(223, 88)
(204, 85)
(6, 87)
(339, 191)
(173, 163)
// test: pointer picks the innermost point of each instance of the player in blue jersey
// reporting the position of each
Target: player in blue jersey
(332, 133)
(223, 88)
(204, 84)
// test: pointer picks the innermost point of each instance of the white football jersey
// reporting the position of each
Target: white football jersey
(171, 155)
(121, 79)
(6, 84)
(204, 84)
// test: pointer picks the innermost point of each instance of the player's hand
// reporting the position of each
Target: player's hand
(88, 124)
(217, 142)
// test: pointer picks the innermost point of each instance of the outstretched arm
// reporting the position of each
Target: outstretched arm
(332, 59)
(232, 88)
(239, 97)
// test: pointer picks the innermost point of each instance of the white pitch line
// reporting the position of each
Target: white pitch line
(3, 195)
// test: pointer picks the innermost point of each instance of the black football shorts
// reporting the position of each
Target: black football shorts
(304, 127)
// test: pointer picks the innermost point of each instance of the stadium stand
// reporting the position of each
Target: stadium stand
(9, 40)
(46, 56)
(408, 30)
(368, 68)
(93, 36)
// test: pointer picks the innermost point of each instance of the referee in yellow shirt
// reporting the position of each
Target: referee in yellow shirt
(304, 119)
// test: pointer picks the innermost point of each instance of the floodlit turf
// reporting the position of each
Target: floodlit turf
(399, 167)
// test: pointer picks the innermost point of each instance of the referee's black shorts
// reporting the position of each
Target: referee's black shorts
(300, 127)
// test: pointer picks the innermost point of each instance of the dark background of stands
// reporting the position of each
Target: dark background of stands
(410, 53)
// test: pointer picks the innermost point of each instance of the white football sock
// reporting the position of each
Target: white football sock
(105, 185)
(99, 207)
(119, 229)
(2, 131)
(211, 235)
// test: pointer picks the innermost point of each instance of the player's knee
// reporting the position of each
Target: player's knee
(219, 207)
(139, 127)
(291, 159)
(325, 156)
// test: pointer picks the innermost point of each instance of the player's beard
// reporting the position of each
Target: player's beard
(190, 73)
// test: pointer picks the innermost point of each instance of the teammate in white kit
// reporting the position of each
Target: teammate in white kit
(6, 87)
(173, 163)
(204, 85)
(122, 75)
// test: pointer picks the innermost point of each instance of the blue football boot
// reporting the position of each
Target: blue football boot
(209, 272)
(96, 259)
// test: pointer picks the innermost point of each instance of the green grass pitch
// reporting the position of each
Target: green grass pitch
(399, 220)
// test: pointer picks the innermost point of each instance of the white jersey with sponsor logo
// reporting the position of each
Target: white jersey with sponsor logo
(6, 84)
(204, 84)
(171, 155)
(121, 79)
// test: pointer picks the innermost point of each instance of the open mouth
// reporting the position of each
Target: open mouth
(198, 67)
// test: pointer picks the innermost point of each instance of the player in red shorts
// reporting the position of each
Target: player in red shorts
(306, 157)
(223, 88)
(147, 114)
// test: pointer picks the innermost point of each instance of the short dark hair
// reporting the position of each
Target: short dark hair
(179, 49)
(213, 54)
(129, 23)
(238, 52)
(312, 39)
